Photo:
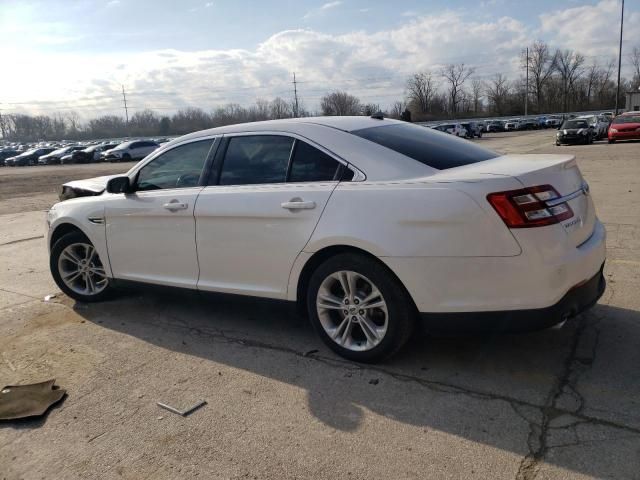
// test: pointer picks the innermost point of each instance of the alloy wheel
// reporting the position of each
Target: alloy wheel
(81, 270)
(352, 311)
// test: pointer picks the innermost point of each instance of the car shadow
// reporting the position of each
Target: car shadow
(471, 386)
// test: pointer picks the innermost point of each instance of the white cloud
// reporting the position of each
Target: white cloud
(373, 66)
(329, 5)
(322, 9)
(591, 29)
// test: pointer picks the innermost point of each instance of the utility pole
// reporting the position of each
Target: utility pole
(126, 110)
(526, 93)
(619, 57)
(295, 94)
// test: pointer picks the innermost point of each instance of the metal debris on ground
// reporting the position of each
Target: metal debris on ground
(21, 401)
(183, 413)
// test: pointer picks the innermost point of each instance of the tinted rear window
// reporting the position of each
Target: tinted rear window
(437, 150)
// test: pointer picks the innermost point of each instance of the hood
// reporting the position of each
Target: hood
(84, 188)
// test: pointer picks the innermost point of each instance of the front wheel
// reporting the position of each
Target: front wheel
(359, 309)
(78, 270)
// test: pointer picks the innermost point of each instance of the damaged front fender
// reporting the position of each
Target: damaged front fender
(84, 188)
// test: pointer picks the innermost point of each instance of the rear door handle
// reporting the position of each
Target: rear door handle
(297, 204)
(175, 205)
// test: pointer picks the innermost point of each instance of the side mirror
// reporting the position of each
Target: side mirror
(119, 185)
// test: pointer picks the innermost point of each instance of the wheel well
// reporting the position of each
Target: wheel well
(319, 257)
(62, 230)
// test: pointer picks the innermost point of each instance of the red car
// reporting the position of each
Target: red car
(625, 127)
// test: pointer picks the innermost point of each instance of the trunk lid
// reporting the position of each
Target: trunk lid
(559, 171)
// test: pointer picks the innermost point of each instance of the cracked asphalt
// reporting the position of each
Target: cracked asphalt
(560, 403)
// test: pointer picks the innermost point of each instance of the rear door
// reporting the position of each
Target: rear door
(266, 198)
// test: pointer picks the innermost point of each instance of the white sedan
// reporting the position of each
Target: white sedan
(369, 223)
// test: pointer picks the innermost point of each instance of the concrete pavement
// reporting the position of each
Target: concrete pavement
(552, 404)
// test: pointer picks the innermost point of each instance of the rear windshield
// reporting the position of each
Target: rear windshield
(432, 148)
(575, 124)
(627, 119)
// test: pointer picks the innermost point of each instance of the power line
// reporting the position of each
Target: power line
(295, 94)
(619, 57)
(126, 111)
(526, 94)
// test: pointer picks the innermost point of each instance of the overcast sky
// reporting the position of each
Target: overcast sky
(59, 55)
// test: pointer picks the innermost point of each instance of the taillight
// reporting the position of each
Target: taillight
(530, 207)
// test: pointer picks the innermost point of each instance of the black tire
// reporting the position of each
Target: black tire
(56, 251)
(400, 307)
(612, 141)
(126, 157)
(557, 143)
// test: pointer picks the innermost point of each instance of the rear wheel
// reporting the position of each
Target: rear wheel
(77, 269)
(612, 141)
(359, 309)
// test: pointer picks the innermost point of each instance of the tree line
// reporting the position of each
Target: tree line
(559, 81)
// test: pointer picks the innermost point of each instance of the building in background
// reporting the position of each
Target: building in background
(633, 101)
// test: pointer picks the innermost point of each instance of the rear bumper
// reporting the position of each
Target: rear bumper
(580, 298)
(538, 280)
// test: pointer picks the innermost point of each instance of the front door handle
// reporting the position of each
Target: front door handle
(175, 205)
(298, 204)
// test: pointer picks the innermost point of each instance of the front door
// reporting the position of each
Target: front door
(151, 232)
(252, 225)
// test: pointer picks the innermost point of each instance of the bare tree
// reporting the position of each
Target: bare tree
(541, 68)
(477, 88)
(280, 108)
(340, 103)
(421, 88)
(371, 108)
(592, 78)
(73, 120)
(498, 92)
(456, 75)
(568, 63)
(397, 108)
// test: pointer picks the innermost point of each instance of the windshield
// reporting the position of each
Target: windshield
(627, 119)
(431, 148)
(575, 124)
(60, 150)
(123, 146)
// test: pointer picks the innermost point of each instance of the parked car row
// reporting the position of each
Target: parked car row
(587, 128)
(464, 129)
(19, 156)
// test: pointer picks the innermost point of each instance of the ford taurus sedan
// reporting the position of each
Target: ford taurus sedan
(369, 223)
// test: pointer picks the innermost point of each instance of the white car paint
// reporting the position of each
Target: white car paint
(433, 228)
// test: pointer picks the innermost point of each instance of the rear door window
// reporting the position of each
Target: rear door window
(256, 159)
(440, 151)
(311, 165)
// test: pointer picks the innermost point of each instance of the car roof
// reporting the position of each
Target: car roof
(346, 123)
(332, 134)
